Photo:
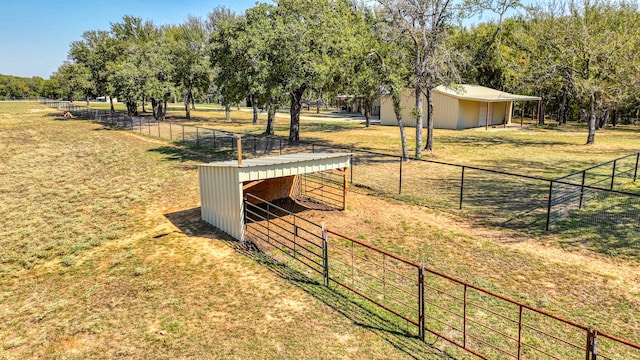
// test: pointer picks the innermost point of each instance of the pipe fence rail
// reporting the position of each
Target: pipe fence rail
(477, 320)
(594, 199)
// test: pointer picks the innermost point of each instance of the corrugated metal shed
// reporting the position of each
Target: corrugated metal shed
(462, 107)
(221, 183)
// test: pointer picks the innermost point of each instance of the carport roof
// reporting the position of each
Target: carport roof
(481, 93)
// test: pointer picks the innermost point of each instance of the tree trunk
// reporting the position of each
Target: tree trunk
(318, 102)
(271, 119)
(111, 103)
(562, 111)
(296, 107)
(88, 102)
(154, 107)
(614, 118)
(163, 116)
(544, 100)
(429, 146)
(187, 110)
(132, 107)
(592, 120)
(227, 112)
(144, 101)
(193, 101)
(397, 109)
(418, 115)
(367, 113)
(255, 108)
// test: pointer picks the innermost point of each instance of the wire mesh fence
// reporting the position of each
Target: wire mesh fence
(581, 200)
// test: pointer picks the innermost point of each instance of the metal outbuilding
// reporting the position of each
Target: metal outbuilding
(224, 184)
(463, 107)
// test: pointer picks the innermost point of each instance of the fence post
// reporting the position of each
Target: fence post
(461, 187)
(197, 136)
(214, 139)
(591, 352)
(519, 332)
(549, 204)
(255, 146)
(594, 345)
(464, 318)
(280, 146)
(400, 180)
(159, 129)
(613, 174)
(313, 148)
(325, 256)
(584, 175)
(635, 173)
(182, 133)
(170, 132)
(421, 302)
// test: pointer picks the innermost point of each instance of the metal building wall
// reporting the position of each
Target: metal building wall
(445, 111)
(221, 199)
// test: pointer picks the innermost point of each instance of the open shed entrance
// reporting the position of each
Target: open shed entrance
(312, 180)
(325, 190)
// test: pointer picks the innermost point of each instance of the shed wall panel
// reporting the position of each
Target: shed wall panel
(445, 114)
(498, 113)
(221, 199)
(468, 114)
(387, 116)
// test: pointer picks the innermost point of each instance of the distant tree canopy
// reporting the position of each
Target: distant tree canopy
(19, 88)
(581, 57)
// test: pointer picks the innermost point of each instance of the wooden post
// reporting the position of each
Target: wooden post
(538, 112)
(521, 113)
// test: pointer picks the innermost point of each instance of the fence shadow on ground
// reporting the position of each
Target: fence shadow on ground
(188, 222)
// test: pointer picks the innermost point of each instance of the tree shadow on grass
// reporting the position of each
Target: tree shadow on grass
(182, 154)
(357, 310)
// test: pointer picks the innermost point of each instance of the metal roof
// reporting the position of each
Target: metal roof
(276, 160)
(481, 93)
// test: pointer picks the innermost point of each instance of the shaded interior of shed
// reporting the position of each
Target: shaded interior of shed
(323, 190)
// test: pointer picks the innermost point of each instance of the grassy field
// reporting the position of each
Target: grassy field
(143, 278)
(103, 256)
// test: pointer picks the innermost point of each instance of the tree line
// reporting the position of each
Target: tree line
(580, 56)
(14, 87)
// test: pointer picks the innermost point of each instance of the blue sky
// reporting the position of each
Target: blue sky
(35, 34)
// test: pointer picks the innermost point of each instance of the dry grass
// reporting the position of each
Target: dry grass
(99, 260)
(585, 287)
